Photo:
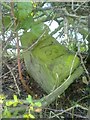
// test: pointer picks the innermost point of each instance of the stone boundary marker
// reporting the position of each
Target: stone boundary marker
(1, 25)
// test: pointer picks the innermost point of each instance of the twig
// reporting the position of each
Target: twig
(31, 47)
(13, 77)
(72, 5)
(35, 43)
(84, 66)
(8, 72)
(55, 31)
(66, 29)
(72, 66)
(75, 106)
(6, 42)
(77, 115)
(88, 96)
(18, 52)
(2, 27)
(80, 6)
(63, 13)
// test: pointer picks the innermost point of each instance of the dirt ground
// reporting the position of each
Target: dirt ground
(78, 92)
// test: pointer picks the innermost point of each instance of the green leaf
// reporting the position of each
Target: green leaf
(28, 38)
(15, 98)
(6, 113)
(37, 28)
(26, 24)
(2, 97)
(9, 103)
(38, 104)
(31, 116)
(26, 116)
(6, 21)
(29, 99)
(22, 15)
(16, 101)
(24, 10)
(25, 5)
(15, 104)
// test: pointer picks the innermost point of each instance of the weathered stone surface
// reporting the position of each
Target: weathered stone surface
(48, 62)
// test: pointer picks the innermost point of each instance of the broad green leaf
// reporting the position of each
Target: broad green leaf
(24, 10)
(37, 28)
(25, 5)
(6, 21)
(22, 14)
(28, 38)
(26, 24)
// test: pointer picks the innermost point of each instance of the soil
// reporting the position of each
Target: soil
(78, 92)
(8, 85)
